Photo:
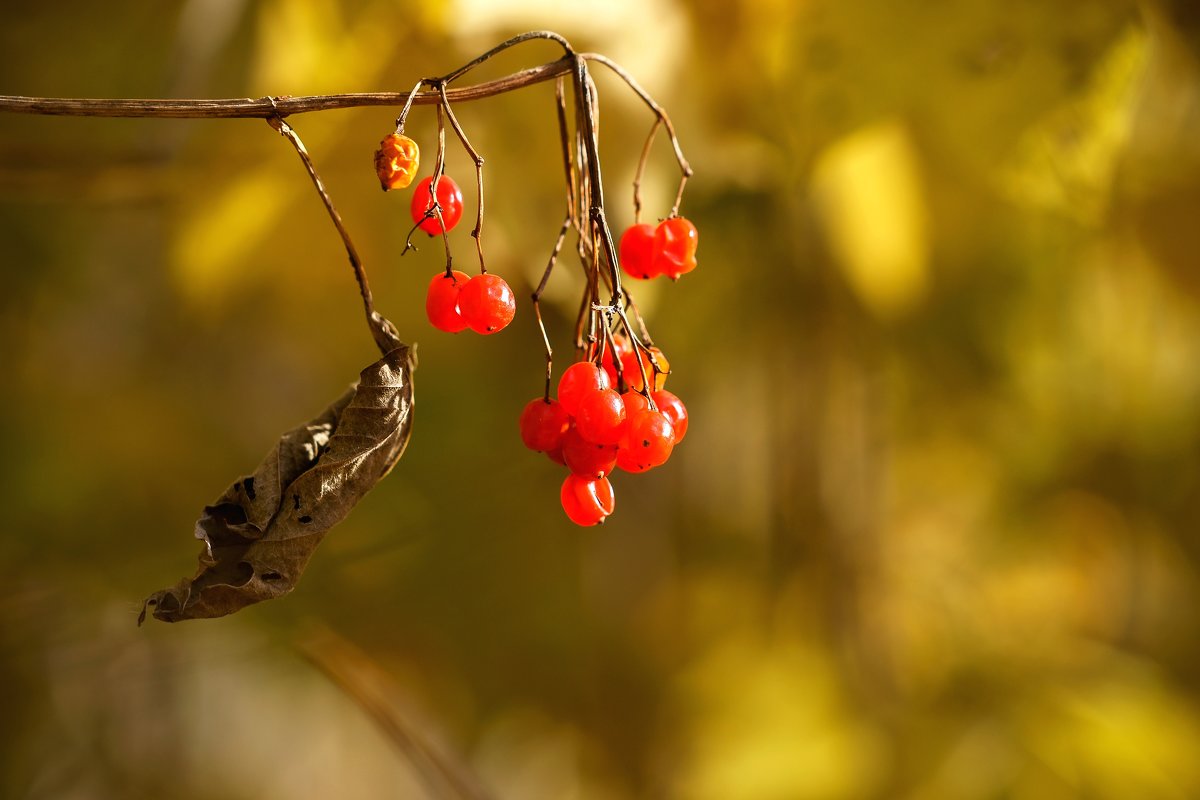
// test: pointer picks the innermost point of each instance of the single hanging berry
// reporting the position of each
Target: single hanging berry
(601, 417)
(487, 303)
(396, 161)
(588, 459)
(674, 409)
(675, 242)
(587, 502)
(649, 439)
(449, 198)
(441, 302)
(637, 252)
(543, 423)
(578, 380)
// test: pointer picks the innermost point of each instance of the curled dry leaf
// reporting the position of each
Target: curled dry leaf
(260, 534)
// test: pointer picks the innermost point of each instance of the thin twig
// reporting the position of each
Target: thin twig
(382, 330)
(478, 159)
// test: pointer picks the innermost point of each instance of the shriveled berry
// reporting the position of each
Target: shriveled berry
(543, 423)
(601, 417)
(578, 380)
(648, 441)
(449, 199)
(675, 242)
(637, 252)
(396, 161)
(675, 410)
(588, 459)
(587, 502)
(487, 303)
(441, 302)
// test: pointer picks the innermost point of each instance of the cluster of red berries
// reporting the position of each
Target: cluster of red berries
(592, 429)
(668, 249)
(611, 410)
(455, 301)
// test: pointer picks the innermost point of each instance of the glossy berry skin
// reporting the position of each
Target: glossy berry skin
(601, 417)
(487, 303)
(588, 459)
(579, 380)
(636, 251)
(675, 242)
(587, 502)
(441, 302)
(634, 402)
(648, 442)
(449, 197)
(675, 410)
(396, 161)
(619, 349)
(543, 423)
(633, 373)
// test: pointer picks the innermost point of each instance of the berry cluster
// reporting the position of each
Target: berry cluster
(669, 249)
(593, 429)
(611, 410)
(455, 301)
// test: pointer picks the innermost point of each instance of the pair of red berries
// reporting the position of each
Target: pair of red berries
(456, 301)
(593, 430)
(647, 251)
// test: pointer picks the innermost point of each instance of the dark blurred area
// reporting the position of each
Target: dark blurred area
(933, 532)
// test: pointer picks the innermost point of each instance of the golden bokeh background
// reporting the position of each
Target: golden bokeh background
(933, 532)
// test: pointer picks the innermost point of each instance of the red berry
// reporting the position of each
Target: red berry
(555, 455)
(601, 417)
(633, 373)
(675, 242)
(449, 198)
(674, 409)
(648, 441)
(587, 459)
(611, 355)
(580, 379)
(543, 423)
(587, 502)
(441, 303)
(396, 161)
(634, 402)
(487, 303)
(637, 251)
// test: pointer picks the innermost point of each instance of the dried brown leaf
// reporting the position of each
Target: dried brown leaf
(259, 535)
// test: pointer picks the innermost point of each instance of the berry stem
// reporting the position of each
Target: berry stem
(569, 52)
(400, 120)
(685, 168)
(478, 159)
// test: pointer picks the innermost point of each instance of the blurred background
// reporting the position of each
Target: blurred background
(933, 531)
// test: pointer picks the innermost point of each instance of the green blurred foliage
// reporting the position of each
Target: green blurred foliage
(933, 530)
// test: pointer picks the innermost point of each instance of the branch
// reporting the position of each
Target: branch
(265, 108)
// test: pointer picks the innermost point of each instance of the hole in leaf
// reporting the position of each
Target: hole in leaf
(242, 574)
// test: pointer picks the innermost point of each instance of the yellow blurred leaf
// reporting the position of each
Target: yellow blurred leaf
(868, 187)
